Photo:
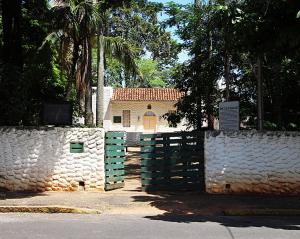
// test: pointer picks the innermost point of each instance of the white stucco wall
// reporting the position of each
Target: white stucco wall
(39, 160)
(137, 111)
(108, 93)
(248, 161)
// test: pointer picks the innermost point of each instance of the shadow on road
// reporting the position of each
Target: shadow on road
(187, 207)
(195, 207)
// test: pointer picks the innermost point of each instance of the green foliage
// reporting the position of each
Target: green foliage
(55, 46)
(124, 52)
(224, 39)
(137, 23)
(153, 76)
(25, 87)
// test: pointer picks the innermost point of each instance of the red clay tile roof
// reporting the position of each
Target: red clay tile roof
(146, 94)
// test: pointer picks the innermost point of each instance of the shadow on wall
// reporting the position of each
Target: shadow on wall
(196, 207)
(5, 194)
(40, 159)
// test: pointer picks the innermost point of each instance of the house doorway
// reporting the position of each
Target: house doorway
(150, 121)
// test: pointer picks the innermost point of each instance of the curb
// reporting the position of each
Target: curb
(47, 209)
(262, 212)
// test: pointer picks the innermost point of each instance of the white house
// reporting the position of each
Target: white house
(139, 109)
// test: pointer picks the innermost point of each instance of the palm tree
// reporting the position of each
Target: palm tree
(73, 24)
(108, 46)
(121, 50)
(76, 23)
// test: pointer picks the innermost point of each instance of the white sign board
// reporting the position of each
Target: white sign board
(229, 115)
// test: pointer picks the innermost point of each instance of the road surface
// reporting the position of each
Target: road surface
(65, 226)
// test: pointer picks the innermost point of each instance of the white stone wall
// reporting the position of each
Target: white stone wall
(252, 162)
(137, 111)
(40, 160)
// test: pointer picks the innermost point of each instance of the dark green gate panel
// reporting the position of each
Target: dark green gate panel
(172, 161)
(114, 160)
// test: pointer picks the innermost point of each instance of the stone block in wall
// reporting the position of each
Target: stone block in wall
(252, 162)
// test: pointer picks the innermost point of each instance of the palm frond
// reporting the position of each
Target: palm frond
(51, 38)
(87, 16)
(124, 52)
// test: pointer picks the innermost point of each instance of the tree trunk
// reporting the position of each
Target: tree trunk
(100, 79)
(79, 86)
(12, 43)
(209, 110)
(72, 75)
(227, 74)
(209, 101)
(278, 99)
(199, 109)
(197, 3)
(88, 84)
(260, 110)
(227, 64)
(277, 109)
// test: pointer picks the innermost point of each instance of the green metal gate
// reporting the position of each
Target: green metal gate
(114, 160)
(172, 161)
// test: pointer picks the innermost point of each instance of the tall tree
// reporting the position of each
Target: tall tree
(84, 20)
(11, 20)
(139, 25)
(108, 46)
(29, 76)
(241, 32)
(197, 3)
(76, 33)
(132, 30)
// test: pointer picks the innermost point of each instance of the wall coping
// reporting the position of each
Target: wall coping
(45, 128)
(251, 133)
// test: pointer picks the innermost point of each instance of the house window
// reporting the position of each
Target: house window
(126, 118)
(149, 107)
(117, 119)
(149, 113)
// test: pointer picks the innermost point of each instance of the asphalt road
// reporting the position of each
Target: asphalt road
(41, 226)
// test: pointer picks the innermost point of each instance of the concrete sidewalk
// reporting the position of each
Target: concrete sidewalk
(134, 202)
